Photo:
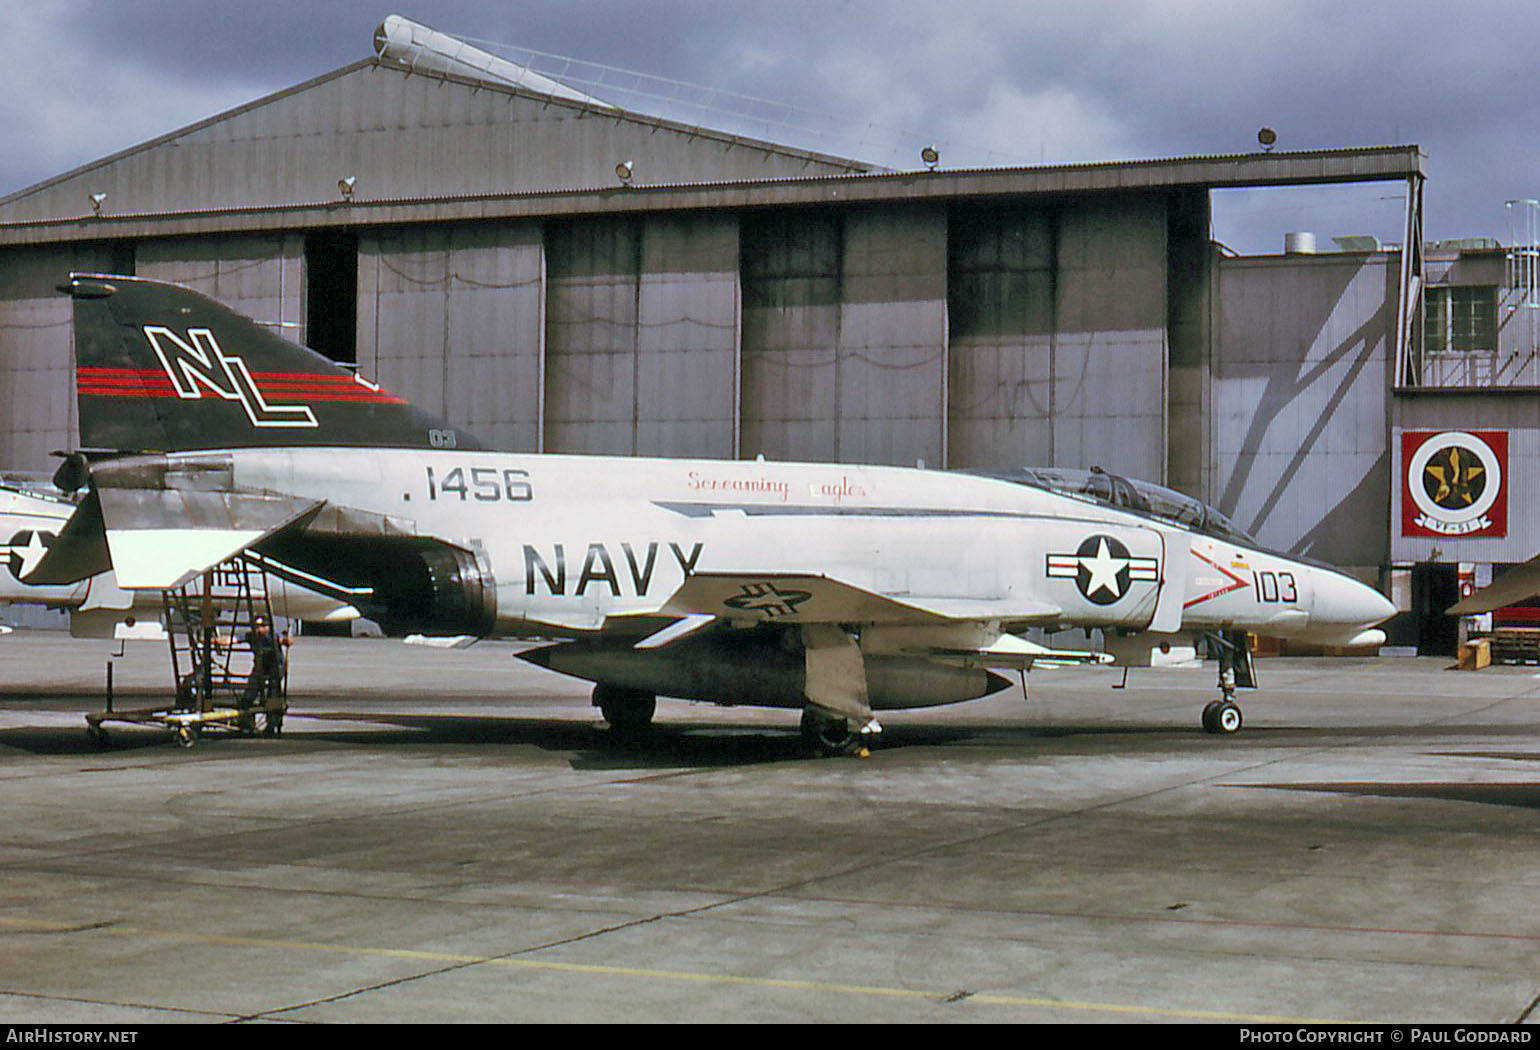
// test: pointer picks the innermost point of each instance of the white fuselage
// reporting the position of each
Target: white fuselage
(572, 540)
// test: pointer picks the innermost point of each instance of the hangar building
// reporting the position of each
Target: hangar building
(557, 274)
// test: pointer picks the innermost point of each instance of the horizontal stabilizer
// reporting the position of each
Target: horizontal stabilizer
(806, 598)
(161, 538)
(78, 552)
(1515, 585)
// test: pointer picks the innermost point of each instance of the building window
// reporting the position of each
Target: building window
(1461, 318)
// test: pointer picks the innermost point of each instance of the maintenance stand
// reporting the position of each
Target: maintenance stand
(211, 624)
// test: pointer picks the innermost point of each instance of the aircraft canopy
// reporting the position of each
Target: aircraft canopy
(1139, 497)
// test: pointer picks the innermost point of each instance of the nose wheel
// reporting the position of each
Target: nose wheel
(1222, 717)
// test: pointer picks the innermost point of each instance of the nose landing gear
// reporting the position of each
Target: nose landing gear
(1223, 716)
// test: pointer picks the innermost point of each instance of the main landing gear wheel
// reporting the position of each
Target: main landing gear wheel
(628, 711)
(830, 736)
(1222, 717)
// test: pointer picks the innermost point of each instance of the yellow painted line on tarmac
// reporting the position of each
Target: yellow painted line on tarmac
(875, 991)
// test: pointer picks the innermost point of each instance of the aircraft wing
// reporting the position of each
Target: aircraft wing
(807, 599)
(1515, 585)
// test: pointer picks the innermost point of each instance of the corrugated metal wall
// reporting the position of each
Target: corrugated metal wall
(262, 276)
(1002, 318)
(891, 385)
(37, 367)
(1109, 364)
(791, 321)
(985, 337)
(642, 336)
(1058, 345)
(687, 337)
(452, 318)
(1300, 396)
(593, 273)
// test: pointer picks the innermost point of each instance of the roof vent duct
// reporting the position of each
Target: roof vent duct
(412, 46)
(1299, 244)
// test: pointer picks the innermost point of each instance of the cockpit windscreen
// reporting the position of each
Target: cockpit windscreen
(1139, 497)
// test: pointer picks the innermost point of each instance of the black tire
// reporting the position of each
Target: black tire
(1208, 716)
(628, 711)
(827, 736)
(1222, 718)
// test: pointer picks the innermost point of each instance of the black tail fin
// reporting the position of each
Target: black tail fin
(162, 368)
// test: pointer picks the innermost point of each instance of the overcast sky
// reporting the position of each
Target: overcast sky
(991, 83)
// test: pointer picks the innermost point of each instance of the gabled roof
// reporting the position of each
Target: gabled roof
(402, 135)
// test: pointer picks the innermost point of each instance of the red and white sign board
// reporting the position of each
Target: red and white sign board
(1454, 483)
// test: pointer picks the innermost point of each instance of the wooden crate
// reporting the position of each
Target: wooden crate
(1475, 654)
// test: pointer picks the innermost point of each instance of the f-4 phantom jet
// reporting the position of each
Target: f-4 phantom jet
(838, 590)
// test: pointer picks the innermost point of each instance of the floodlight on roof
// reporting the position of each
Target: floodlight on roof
(623, 172)
(345, 186)
(1266, 137)
(930, 155)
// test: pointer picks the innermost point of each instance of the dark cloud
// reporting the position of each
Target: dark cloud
(993, 82)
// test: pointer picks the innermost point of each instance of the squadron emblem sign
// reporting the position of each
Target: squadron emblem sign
(1454, 483)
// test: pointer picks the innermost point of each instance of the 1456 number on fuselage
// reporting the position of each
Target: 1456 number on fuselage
(483, 484)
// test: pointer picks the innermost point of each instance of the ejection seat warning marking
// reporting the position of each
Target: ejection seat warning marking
(1235, 583)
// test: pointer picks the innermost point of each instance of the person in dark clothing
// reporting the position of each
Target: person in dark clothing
(266, 662)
